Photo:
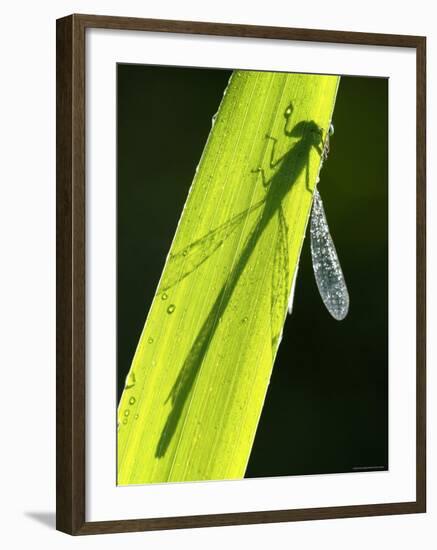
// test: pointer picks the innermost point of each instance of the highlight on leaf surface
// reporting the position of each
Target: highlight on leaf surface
(198, 380)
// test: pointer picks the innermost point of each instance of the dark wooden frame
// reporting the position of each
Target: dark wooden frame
(70, 300)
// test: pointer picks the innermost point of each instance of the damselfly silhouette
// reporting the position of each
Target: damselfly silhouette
(327, 269)
(288, 168)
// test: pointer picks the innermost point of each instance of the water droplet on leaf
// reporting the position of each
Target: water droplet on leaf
(130, 380)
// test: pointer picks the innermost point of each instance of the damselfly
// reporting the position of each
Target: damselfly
(327, 270)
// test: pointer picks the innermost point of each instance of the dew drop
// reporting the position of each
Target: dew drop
(288, 111)
(124, 420)
(126, 412)
(150, 340)
(171, 308)
(245, 319)
(136, 416)
(185, 252)
(132, 400)
(164, 296)
(130, 380)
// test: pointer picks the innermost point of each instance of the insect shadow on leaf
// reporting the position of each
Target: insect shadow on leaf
(287, 170)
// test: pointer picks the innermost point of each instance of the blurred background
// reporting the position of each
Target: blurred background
(326, 409)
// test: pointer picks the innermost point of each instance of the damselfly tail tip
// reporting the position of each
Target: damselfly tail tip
(341, 311)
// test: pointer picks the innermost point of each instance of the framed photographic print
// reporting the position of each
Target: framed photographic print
(241, 274)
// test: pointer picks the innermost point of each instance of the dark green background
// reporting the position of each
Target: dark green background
(327, 404)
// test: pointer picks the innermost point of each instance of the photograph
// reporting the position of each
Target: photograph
(252, 274)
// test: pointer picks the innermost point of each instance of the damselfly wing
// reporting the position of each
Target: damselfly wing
(280, 281)
(187, 260)
(327, 270)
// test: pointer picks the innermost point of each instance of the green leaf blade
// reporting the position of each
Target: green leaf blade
(205, 357)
